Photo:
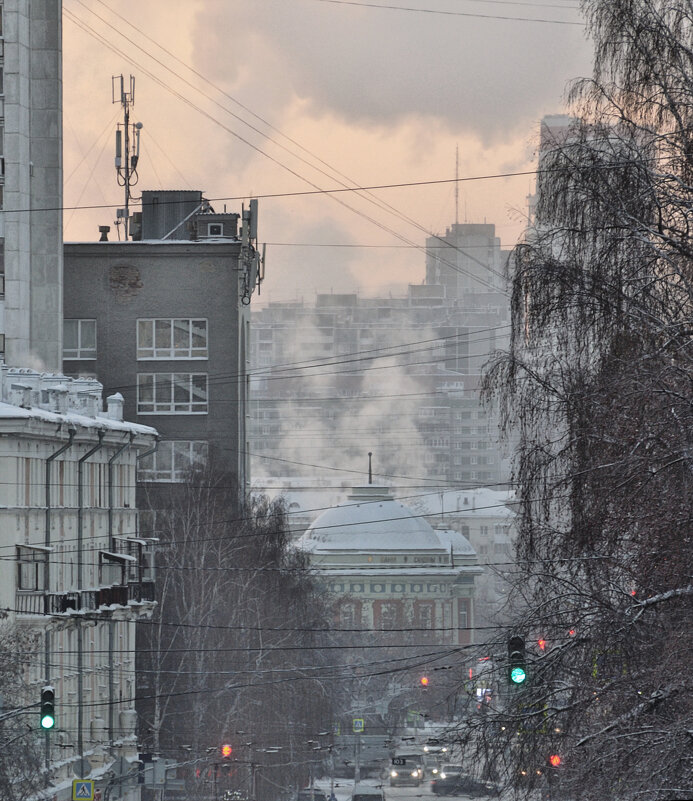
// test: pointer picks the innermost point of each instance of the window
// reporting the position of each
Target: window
(31, 566)
(388, 615)
(172, 393)
(349, 614)
(172, 339)
(172, 460)
(214, 229)
(79, 339)
(425, 616)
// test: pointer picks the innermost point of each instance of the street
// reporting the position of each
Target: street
(344, 787)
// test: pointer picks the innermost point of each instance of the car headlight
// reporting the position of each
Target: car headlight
(435, 770)
(442, 775)
(393, 773)
(415, 773)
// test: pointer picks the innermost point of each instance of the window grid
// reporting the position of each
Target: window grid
(172, 393)
(173, 460)
(31, 565)
(79, 339)
(172, 338)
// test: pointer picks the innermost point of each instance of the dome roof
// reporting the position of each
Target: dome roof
(370, 520)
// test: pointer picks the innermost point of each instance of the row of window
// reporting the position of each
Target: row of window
(166, 338)
(173, 460)
(113, 568)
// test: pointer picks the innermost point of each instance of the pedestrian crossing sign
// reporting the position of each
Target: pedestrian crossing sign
(83, 790)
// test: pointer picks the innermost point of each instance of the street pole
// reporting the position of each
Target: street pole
(331, 772)
(357, 766)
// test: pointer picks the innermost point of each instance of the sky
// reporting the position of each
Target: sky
(285, 99)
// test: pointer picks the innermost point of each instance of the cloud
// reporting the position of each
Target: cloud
(375, 67)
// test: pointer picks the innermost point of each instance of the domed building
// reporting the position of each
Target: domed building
(389, 569)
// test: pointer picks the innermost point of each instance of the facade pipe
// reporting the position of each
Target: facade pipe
(110, 487)
(80, 508)
(46, 578)
(111, 624)
(80, 586)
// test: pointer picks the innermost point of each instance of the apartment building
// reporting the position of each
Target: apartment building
(75, 573)
(164, 319)
(400, 377)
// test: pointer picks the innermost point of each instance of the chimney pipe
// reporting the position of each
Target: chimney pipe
(103, 230)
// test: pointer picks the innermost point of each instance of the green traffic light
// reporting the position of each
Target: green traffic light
(47, 722)
(518, 675)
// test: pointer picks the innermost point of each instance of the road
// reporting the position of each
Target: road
(422, 793)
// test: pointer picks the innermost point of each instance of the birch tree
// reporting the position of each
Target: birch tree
(21, 775)
(598, 385)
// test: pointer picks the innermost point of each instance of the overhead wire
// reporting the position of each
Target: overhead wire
(378, 6)
(367, 195)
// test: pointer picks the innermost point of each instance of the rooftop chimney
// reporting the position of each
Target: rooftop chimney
(114, 406)
(103, 230)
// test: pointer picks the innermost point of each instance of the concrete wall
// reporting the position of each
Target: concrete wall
(32, 216)
(119, 283)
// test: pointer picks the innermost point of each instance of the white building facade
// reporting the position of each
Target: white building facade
(388, 569)
(74, 571)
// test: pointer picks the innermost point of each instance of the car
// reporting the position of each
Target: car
(311, 794)
(431, 763)
(446, 780)
(452, 780)
(406, 769)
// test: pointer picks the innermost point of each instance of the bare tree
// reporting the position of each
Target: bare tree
(21, 774)
(598, 383)
(234, 652)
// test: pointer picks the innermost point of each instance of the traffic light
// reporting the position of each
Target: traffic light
(47, 708)
(423, 681)
(226, 751)
(541, 642)
(555, 760)
(517, 666)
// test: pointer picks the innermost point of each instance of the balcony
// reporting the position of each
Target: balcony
(141, 591)
(70, 603)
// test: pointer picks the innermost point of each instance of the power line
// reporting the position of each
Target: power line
(450, 13)
(367, 195)
(87, 28)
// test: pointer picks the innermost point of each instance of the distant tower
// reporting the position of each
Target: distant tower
(32, 179)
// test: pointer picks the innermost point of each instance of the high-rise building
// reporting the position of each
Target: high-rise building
(31, 183)
(396, 376)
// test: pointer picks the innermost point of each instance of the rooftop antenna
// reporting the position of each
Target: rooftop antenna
(127, 146)
(457, 184)
(370, 467)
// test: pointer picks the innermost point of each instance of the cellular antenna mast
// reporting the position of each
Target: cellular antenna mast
(127, 146)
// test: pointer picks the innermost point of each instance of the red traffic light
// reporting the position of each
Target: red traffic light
(541, 643)
(226, 750)
(423, 681)
(555, 760)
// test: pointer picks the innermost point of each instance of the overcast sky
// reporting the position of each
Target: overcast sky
(243, 98)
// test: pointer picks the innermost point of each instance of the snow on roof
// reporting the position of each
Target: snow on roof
(371, 520)
(9, 411)
(453, 539)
